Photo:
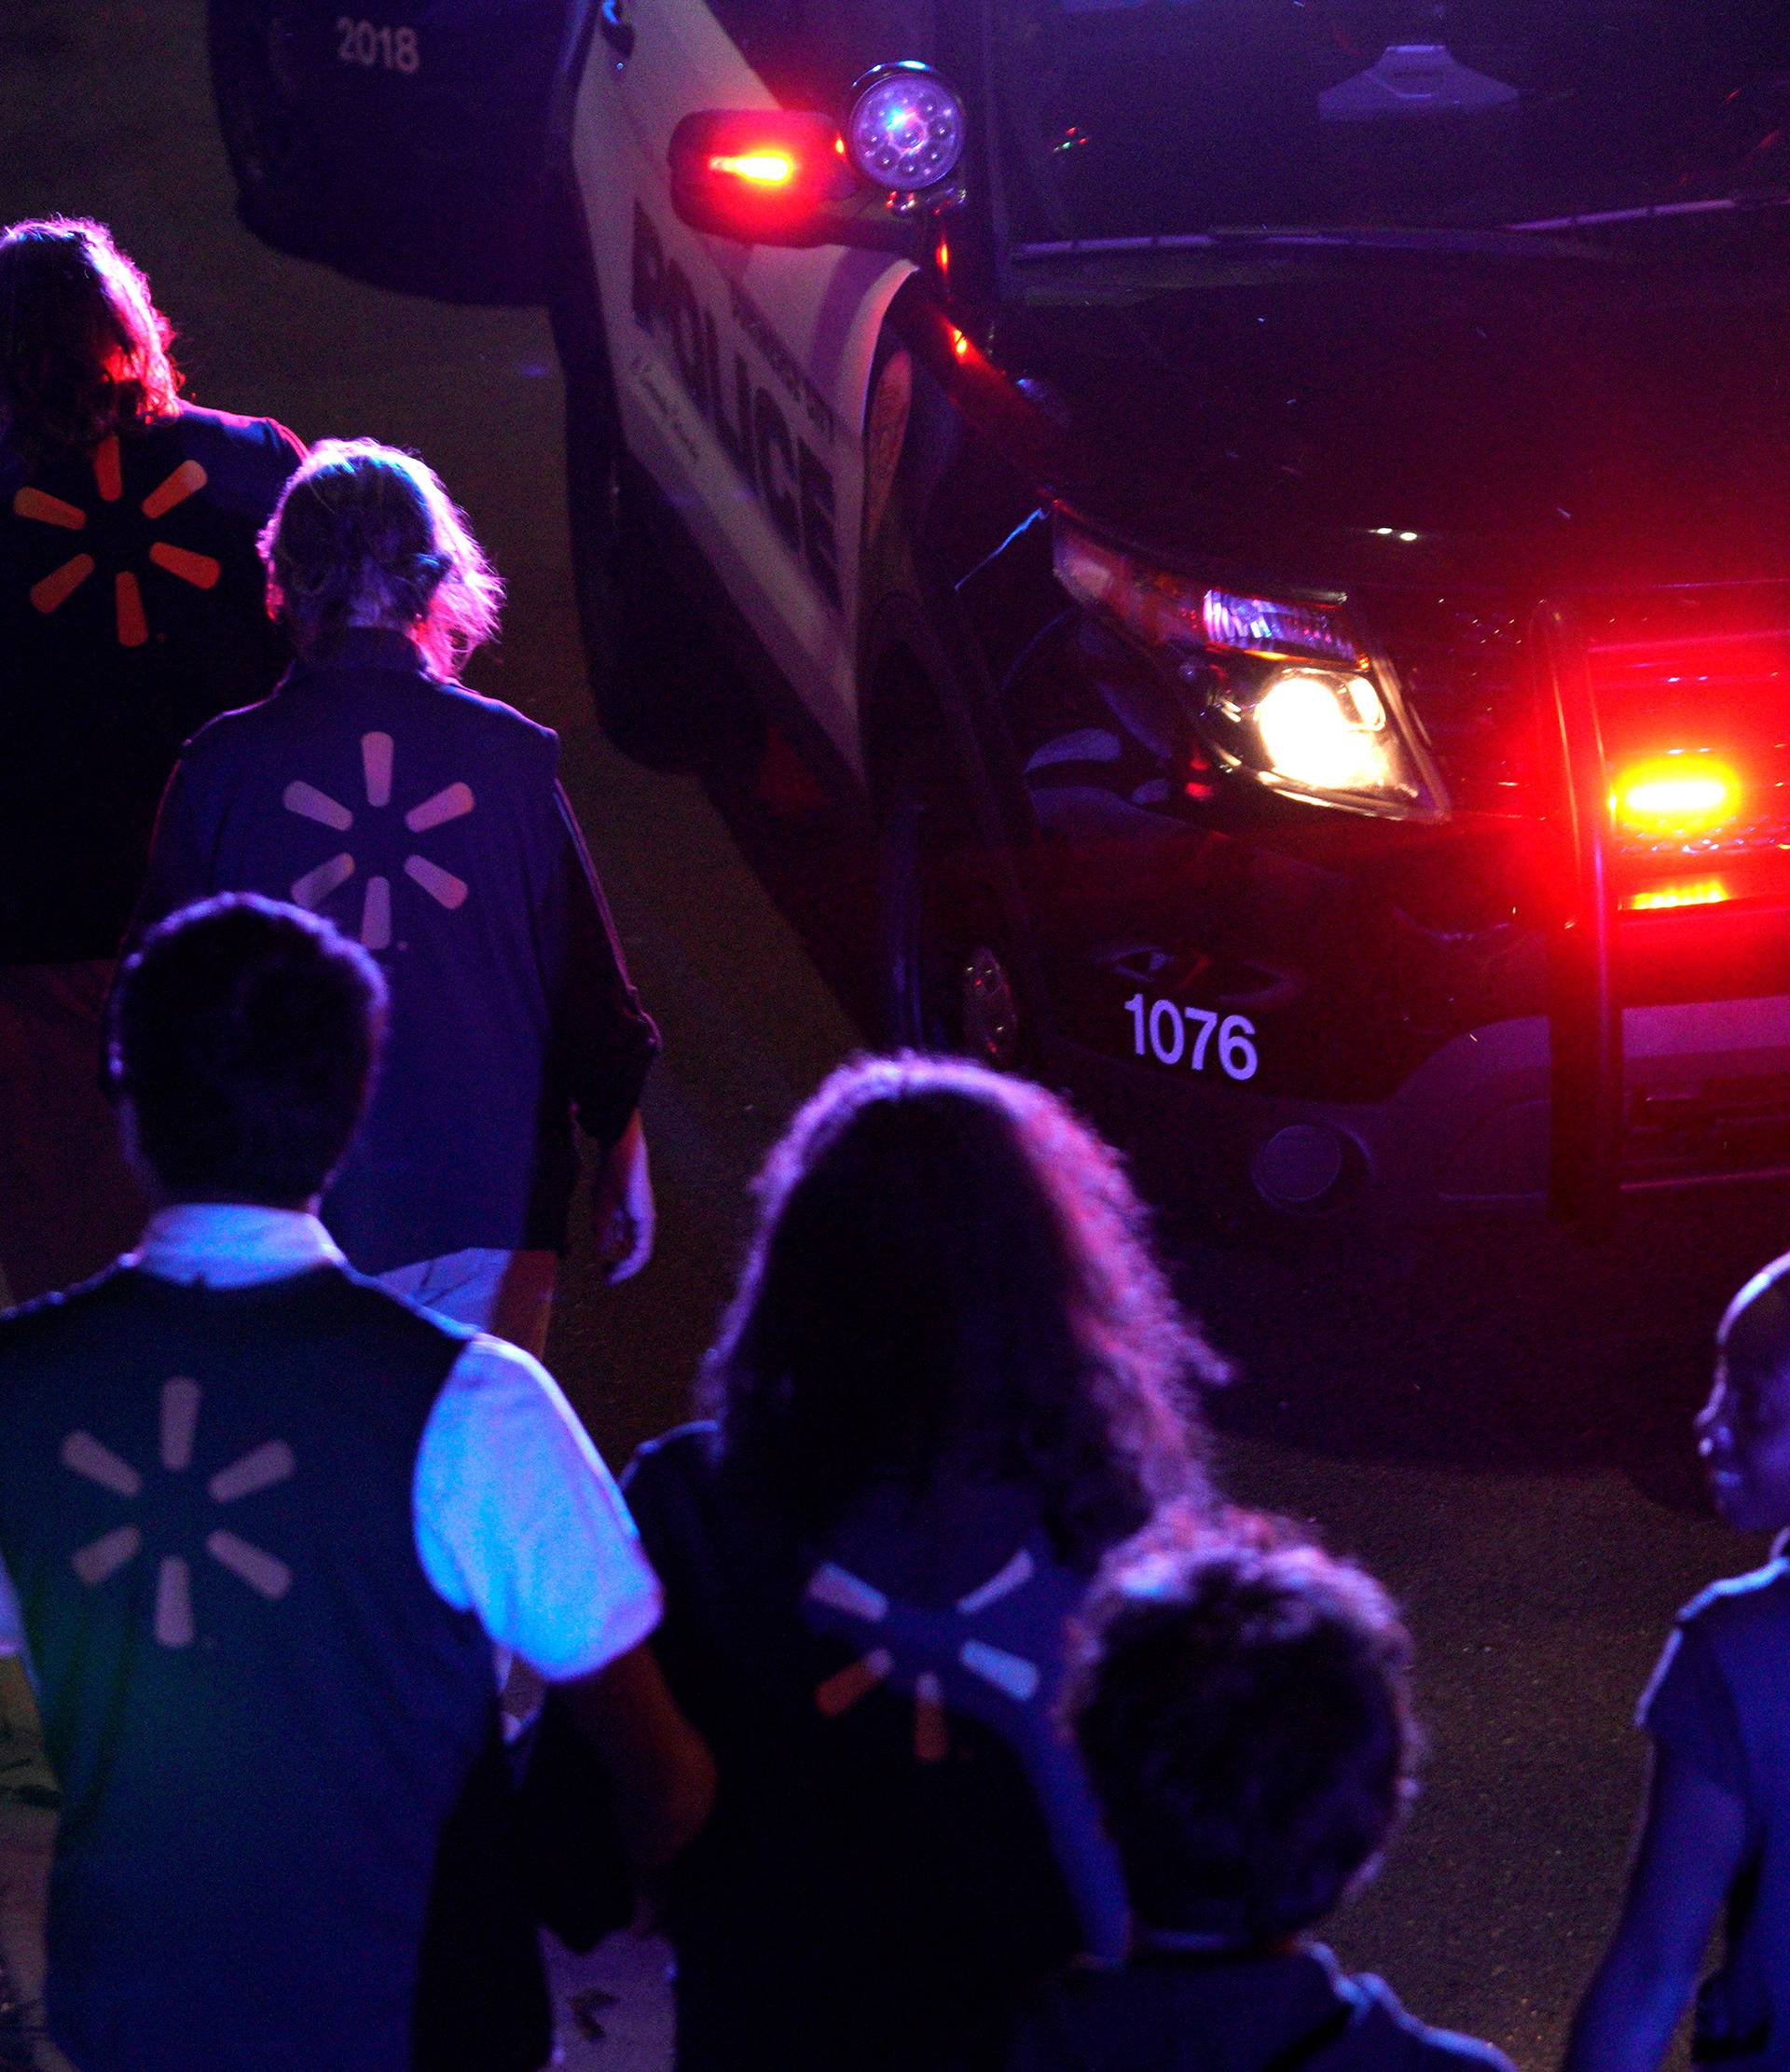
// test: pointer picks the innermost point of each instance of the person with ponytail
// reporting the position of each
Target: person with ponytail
(429, 826)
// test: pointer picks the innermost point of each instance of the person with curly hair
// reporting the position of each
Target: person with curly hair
(1242, 1701)
(429, 824)
(131, 611)
(952, 1376)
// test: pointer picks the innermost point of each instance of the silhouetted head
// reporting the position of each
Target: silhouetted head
(1241, 1702)
(83, 348)
(1744, 1429)
(364, 535)
(950, 1273)
(244, 1036)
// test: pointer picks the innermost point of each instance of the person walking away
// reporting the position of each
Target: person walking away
(952, 1376)
(1242, 1703)
(262, 1526)
(430, 823)
(1714, 1836)
(131, 611)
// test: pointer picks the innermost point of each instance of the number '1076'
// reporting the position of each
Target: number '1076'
(1170, 1033)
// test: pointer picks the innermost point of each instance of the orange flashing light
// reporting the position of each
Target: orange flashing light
(1676, 795)
(1687, 891)
(959, 343)
(758, 169)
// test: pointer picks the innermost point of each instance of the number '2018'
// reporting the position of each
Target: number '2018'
(376, 44)
(1167, 1032)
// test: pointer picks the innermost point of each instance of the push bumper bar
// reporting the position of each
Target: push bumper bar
(1586, 1060)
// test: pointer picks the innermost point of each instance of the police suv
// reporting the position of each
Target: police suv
(1282, 505)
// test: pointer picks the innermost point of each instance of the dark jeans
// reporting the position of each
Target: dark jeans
(67, 1203)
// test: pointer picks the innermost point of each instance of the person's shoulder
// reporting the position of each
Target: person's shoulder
(682, 1456)
(1737, 1630)
(502, 720)
(1092, 1998)
(30, 1323)
(675, 1492)
(1087, 2018)
(225, 736)
(347, 1284)
(490, 1375)
(35, 1327)
(497, 1404)
(1385, 2033)
(236, 438)
(1743, 1607)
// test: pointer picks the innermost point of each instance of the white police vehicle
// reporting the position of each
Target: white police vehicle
(1282, 505)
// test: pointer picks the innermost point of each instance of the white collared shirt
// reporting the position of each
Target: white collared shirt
(516, 1518)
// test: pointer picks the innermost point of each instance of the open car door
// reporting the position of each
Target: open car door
(407, 143)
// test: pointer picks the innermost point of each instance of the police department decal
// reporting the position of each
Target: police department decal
(773, 456)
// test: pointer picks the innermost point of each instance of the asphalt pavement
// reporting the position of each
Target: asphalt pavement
(1501, 1429)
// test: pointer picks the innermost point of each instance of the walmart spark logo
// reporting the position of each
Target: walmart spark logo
(902, 1631)
(55, 589)
(451, 803)
(102, 1559)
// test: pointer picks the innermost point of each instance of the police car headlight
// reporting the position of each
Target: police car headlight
(906, 129)
(1324, 731)
(1283, 690)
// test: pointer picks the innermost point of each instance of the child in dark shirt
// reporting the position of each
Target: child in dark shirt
(1241, 1704)
(1716, 1832)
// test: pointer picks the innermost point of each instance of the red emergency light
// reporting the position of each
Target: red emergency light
(1676, 797)
(762, 174)
(759, 169)
(1671, 895)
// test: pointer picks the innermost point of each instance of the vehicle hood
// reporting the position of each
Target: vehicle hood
(1556, 426)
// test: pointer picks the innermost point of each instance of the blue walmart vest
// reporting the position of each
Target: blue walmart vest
(422, 820)
(260, 1712)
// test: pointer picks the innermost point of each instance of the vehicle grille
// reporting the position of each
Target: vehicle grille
(1691, 671)
(1462, 666)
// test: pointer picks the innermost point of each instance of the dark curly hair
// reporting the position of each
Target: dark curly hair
(246, 1034)
(950, 1273)
(83, 348)
(1242, 1701)
(363, 534)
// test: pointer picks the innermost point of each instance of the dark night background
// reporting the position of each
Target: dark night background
(1500, 1429)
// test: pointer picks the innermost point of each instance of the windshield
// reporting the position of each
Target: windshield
(1121, 119)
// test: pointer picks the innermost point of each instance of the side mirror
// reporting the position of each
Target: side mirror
(780, 176)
